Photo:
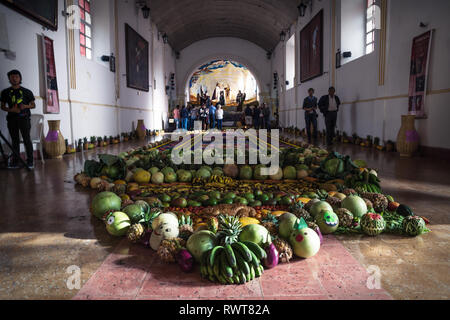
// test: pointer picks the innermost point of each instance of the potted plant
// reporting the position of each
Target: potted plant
(93, 142)
(99, 142)
(105, 141)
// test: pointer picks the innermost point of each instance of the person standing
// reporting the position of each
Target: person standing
(266, 114)
(212, 115)
(329, 106)
(219, 114)
(256, 116)
(20, 100)
(176, 117)
(184, 117)
(248, 116)
(204, 115)
(310, 107)
(193, 117)
(222, 99)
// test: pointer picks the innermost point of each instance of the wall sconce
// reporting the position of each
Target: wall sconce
(177, 55)
(282, 36)
(302, 7)
(145, 12)
(269, 55)
(165, 38)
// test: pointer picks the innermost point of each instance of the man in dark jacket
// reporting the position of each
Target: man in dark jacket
(329, 106)
(17, 101)
(310, 107)
(266, 112)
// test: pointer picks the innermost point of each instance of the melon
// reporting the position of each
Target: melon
(170, 177)
(257, 175)
(355, 204)
(153, 170)
(305, 242)
(413, 225)
(372, 224)
(302, 174)
(255, 233)
(246, 173)
(166, 170)
(158, 178)
(200, 242)
(318, 206)
(231, 170)
(327, 221)
(104, 202)
(278, 175)
(117, 224)
(286, 225)
(203, 173)
(289, 173)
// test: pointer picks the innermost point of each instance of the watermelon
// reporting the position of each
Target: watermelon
(414, 225)
(404, 210)
(372, 224)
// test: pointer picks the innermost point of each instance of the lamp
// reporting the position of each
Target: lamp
(302, 9)
(145, 12)
(282, 36)
(269, 54)
(165, 38)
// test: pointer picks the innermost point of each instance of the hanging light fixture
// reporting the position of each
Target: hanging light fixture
(165, 38)
(282, 36)
(302, 7)
(145, 11)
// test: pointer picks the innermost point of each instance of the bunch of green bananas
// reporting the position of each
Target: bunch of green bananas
(237, 263)
(364, 182)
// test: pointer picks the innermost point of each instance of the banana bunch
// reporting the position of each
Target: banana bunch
(219, 180)
(322, 194)
(365, 182)
(237, 263)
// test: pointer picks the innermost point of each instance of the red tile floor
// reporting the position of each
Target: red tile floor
(135, 272)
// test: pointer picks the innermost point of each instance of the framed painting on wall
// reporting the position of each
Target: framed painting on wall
(137, 57)
(311, 49)
(44, 12)
(51, 86)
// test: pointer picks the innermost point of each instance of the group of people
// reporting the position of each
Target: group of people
(257, 117)
(328, 105)
(211, 116)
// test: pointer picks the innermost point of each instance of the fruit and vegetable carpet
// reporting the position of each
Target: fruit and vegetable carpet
(227, 231)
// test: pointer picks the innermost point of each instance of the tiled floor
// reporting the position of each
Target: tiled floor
(46, 227)
(135, 272)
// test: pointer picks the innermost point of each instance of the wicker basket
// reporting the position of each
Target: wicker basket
(407, 138)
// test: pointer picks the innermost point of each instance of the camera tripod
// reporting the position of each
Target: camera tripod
(5, 158)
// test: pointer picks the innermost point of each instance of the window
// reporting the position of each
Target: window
(85, 28)
(290, 63)
(370, 26)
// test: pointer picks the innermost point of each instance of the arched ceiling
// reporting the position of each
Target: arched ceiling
(189, 21)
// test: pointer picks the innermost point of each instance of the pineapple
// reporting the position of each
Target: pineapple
(135, 232)
(270, 222)
(368, 203)
(186, 228)
(312, 225)
(298, 210)
(345, 217)
(284, 249)
(169, 248)
(379, 201)
(335, 203)
(229, 229)
(349, 192)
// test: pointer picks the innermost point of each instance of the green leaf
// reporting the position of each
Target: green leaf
(108, 159)
(92, 168)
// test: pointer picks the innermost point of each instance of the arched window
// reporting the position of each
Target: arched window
(290, 63)
(370, 26)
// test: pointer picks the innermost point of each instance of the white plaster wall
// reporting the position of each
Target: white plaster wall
(242, 51)
(358, 79)
(95, 109)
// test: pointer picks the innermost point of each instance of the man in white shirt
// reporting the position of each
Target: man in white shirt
(219, 115)
(329, 106)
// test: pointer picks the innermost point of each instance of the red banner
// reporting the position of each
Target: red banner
(418, 74)
(52, 100)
